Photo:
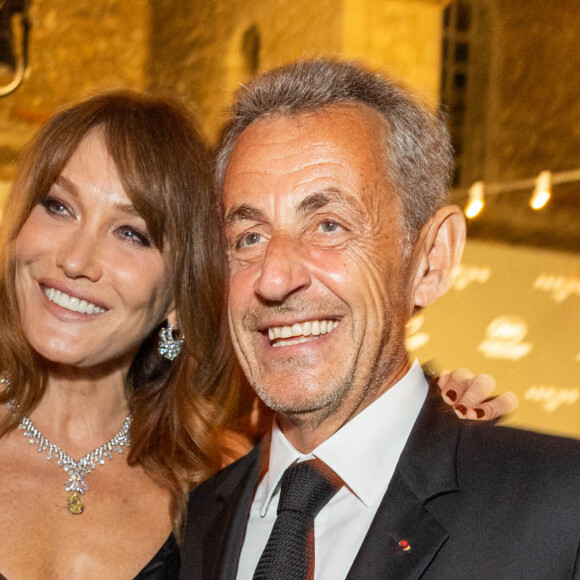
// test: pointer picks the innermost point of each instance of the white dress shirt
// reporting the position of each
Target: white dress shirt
(364, 453)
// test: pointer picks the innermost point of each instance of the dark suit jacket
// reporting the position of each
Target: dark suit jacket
(472, 500)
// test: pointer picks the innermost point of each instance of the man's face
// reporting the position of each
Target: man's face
(318, 292)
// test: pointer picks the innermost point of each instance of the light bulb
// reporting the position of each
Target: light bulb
(542, 191)
(476, 201)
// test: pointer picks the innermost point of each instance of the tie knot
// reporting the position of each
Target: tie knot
(307, 486)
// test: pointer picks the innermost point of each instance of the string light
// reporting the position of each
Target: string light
(542, 191)
(476, 202)
(541, 186)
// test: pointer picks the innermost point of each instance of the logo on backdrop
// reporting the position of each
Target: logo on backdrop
(559, 287)
(551, 397)
(467, 275)
(504, 338)
(415, 338)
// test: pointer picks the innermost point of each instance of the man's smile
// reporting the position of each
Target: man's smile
(300, 332)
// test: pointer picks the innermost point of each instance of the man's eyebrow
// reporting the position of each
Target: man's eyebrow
(310, 203)
(322, 198)
(243, 212)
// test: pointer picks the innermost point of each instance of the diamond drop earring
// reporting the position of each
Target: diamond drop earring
(171, 341)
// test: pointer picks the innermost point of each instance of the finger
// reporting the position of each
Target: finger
(443, 378)
(503, 404)
(453, 385)
(480, 389)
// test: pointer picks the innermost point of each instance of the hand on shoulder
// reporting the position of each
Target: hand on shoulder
(471, 395)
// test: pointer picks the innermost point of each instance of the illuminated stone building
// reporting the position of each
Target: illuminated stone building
(509, 69)
(506, 73)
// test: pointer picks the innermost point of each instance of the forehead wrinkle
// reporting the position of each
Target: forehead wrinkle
(276, 145)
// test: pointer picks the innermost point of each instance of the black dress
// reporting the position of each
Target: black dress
(164, 565)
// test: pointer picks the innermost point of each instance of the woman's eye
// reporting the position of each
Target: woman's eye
(248, 240)
(54, 206)
(135, 236)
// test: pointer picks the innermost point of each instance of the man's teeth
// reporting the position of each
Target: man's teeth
(300, 332)
(72, 303)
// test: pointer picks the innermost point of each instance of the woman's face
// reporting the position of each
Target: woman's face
(90, 283)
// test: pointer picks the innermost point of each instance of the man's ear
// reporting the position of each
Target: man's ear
(437, 254)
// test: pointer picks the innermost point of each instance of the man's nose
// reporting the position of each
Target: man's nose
(283, 270)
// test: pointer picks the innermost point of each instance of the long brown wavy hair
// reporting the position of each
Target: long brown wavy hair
(178, 407)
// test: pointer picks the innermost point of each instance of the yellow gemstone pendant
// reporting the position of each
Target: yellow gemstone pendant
(76, 470)
(76, 503)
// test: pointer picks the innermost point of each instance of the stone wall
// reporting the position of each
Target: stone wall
(528, 116)
(529, 121)
(76, 48)
(198, 46)
(533, 107)
(402, 37)
(80, 47)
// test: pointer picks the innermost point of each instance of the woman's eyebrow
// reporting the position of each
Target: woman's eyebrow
(69, 186)
(127, 208)
(66, 184)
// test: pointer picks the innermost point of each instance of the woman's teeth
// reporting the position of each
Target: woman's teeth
(72, 303)
(300, 332)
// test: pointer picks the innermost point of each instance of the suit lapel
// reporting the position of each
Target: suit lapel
(225, 533)
(404, 536)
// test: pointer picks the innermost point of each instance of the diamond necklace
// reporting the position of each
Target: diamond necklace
(77, 470)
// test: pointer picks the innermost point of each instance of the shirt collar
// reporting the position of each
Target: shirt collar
(364, 452)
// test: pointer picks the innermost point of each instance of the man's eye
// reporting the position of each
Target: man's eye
(329, 227)
(249, 240)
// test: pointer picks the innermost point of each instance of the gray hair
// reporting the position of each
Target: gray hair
(419, 158)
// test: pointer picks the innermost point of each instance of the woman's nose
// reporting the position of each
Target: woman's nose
(78, 254)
